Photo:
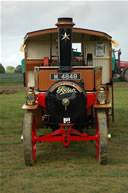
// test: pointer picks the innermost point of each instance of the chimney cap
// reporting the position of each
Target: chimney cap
(65, 21)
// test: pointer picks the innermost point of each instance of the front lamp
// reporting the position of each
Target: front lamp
(30, 98)
(101, 96)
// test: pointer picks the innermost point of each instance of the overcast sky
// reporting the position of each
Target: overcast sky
(20, 17)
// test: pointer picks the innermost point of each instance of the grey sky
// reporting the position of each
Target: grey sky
(20, 17)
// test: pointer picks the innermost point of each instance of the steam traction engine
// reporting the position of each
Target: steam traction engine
(67, 90)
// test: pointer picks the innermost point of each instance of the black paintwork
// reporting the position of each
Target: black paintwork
(65, 49)
(76, 110)
(65, 19)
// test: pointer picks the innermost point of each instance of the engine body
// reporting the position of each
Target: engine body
(66, 103)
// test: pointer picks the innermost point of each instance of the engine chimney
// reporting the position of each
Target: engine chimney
(65, 43)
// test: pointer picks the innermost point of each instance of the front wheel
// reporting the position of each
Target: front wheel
(103, 136)
(29, 133)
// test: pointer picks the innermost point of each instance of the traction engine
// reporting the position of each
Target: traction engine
(67, 97)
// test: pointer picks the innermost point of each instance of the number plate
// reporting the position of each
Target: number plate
(66, 120)
(65, 76)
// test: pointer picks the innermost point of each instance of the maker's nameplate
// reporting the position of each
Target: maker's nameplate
(65, 76)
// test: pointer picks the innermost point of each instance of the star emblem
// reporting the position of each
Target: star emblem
(65, 36)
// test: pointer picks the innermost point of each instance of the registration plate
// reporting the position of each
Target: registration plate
(66, 120)
(65, 76)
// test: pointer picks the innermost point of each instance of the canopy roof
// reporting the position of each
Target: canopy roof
(76, 30)
(88, 32)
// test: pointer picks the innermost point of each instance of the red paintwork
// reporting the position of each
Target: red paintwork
(91, 99)
(66, 136)
(123, 64)
(46, 61)
(41, 99)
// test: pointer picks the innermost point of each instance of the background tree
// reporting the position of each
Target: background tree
(2, 69)
(18, 69)
(10, 69)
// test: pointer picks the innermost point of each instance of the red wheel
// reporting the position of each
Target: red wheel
(102, 141)
(29, 134)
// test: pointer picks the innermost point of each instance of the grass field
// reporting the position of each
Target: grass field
(58, 169)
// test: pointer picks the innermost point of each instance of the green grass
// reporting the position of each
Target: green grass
(10, 83)
(58, 169)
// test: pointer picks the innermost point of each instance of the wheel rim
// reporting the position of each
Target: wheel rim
(102, 140)
(34, 139)
(29, 134)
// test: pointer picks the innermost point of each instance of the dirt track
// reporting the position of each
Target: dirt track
(11, 89)
(121, 84)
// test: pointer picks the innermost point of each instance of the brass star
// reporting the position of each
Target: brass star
(65, 37)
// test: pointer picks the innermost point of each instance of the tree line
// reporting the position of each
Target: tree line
(17, 69)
